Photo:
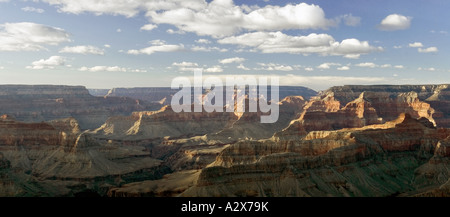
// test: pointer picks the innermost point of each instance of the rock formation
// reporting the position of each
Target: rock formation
(51, 159)
(357, 162)
(169, 186)
(218, 125)
(409, 98)
(165, 123)
(327, 113)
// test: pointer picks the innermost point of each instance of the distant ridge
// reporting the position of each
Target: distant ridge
(43, 91)
(156, 94)
(36, 103)
(347, 93)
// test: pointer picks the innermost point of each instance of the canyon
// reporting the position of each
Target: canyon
(378, 140)
(35, 103)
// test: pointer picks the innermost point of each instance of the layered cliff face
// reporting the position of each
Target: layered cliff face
(435, 172)
(193, 140)
(18, 134)
(56, 159)
(165, 123)
(36, 103)
(248, 126)
(87, 158)
(328, 113)
(224, 126)
(413, 99)
(371, 161)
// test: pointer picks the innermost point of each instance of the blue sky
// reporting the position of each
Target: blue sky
(136, 43)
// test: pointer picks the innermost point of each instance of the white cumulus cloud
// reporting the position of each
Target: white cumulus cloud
(299, 16)
(343, 68)
(232, 60)
(208, 49)
(103, 69)
(278, 42)
(373, 65)
(221, 18)
(214, 69)
(395, 22)
(274, 67)
(241, 66)
(127, 8)
(352, 48)
(415, 44)
(32, 9)
(203, 41)
(367, 64)
(30, 36)
(185, 64)
(431, 69)
(49, 63)
(217, 18)
(149, 27)
(428, 50)
(83, 49)
(158, 46)
(191, 66)
(351, 20)
(180, 32)
(327, 65)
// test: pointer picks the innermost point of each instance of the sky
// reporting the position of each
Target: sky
(147, 43)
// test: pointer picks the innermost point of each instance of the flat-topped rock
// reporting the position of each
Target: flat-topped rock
(36, 103)
(53, 91)
(347, 93)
